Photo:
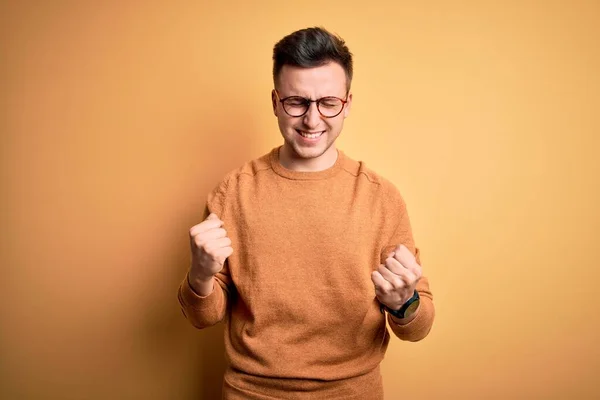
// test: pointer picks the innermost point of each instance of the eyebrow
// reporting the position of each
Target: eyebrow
(293, 91)
(309, 98)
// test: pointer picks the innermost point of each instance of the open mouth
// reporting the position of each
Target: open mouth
(310, 135)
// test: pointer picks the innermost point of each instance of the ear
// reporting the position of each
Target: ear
(274, 101)
(348, 105)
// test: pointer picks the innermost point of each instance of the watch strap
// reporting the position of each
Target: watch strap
(401, 313)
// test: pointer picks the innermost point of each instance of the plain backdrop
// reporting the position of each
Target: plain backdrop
(118, 117)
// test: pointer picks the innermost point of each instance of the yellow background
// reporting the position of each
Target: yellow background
(119, 117)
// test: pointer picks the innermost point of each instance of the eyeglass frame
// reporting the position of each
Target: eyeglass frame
(308, 102)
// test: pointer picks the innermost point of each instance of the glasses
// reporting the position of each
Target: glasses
(297, 106)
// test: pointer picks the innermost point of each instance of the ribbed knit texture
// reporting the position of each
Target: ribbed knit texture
(301, 316)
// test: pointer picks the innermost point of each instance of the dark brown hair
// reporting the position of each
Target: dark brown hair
(312, 47)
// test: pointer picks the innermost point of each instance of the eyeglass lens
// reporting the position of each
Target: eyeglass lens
(327, 106)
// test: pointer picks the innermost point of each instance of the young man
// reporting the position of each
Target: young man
(305, 250)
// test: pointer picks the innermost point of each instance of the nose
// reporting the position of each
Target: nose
(312, 116)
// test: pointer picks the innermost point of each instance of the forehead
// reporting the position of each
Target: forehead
(326, 80)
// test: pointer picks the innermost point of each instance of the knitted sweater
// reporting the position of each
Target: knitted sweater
(301, 316)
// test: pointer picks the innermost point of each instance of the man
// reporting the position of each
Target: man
(305, 250)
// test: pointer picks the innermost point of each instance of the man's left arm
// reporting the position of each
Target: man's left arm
(397, 279)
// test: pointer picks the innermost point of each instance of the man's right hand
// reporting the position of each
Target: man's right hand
(210, 248)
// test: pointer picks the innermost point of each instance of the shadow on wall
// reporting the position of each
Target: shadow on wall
(212, 363)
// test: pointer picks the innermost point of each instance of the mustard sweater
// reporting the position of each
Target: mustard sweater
(301, 316)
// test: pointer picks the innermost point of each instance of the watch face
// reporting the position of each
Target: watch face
(411, 308)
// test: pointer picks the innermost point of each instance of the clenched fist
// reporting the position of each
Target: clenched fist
(396, 280)
(210, 248)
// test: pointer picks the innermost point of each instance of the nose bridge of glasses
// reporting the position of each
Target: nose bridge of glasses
(313, 105)
(312, 109)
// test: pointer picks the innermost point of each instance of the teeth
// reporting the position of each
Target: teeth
(311, 135)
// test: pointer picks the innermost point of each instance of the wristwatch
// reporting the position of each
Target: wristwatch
(407, 308)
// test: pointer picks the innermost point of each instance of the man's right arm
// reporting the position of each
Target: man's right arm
(204, 310)
(203, 294)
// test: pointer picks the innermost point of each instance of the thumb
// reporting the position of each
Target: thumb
(398, 250)
(212, 216)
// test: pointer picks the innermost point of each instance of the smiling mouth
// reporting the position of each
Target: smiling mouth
(310, 135)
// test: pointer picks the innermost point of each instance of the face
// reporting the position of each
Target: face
(310, 138)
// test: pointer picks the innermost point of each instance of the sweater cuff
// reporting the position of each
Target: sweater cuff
(419, 326)
(192, 299)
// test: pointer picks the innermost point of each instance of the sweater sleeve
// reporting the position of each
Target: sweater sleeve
(205, 311)
(419, 327)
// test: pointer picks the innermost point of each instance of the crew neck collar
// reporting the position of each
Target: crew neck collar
(305, 175)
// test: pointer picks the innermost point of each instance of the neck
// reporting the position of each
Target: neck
(290, 160)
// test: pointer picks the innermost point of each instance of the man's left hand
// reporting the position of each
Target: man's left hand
(396, 280)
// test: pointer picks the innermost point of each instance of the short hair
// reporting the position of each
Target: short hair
(312, 47)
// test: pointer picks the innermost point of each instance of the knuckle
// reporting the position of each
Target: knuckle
(415, 276)
(388, 287)
(398, 283)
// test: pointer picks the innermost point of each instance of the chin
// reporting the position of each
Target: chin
(309, 152)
